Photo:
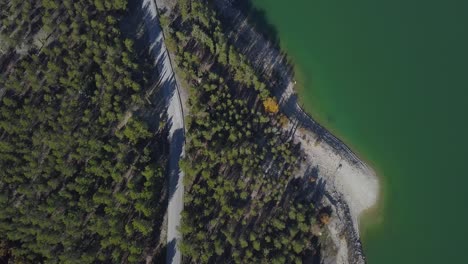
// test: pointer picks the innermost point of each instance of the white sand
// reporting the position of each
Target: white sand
(351, 187)
(357, 183)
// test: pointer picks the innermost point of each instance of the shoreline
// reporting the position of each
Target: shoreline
(352, 179)
(351, 186)
(371, 216)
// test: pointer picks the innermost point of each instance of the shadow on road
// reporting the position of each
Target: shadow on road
(177, 144)
(171, 249)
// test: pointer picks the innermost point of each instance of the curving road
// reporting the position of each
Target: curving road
(175, 113)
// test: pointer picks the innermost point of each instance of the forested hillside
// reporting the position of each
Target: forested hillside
(81, 173)
(243, 204)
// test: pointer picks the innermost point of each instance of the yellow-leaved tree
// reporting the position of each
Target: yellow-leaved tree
(271, 106)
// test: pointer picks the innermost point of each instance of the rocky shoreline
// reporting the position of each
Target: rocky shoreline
(350, 186)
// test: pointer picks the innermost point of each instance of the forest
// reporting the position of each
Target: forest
(243, 203)
(81, 169)
(83, 165)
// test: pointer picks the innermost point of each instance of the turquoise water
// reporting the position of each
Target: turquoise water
(391, 79)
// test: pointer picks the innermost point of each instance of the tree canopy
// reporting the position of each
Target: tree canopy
(241, 204)
(81, 178)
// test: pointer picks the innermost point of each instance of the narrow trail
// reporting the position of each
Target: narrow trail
(175, 113)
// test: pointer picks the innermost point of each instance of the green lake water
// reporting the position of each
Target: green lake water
(391, 79)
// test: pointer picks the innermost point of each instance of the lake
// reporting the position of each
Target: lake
(391, 79)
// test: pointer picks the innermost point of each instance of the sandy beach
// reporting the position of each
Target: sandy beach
(351, 187)
(344, 172)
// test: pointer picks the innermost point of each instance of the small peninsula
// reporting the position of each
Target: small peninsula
(164, 131)
(351, 186)
(346, 183)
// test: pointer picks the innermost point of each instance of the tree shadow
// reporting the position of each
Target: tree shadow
(262, 50)
(176, 147)
(171, 251)
(159, 93)
(272, 64)
(257, 18)
(292, 109)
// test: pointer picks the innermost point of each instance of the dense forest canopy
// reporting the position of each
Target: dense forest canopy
(82, 168)
(242, 204)
(81, 174)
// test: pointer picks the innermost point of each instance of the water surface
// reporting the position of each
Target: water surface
(391, 79)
